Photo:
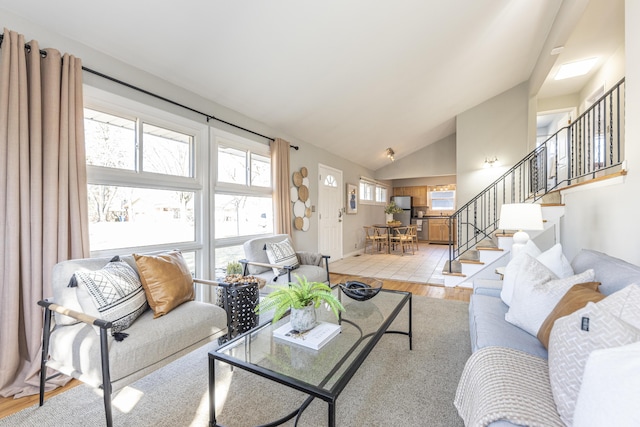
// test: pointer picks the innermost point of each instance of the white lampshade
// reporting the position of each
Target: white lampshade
(521, 216)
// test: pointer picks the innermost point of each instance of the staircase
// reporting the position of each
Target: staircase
(590, 148)
(491, 253)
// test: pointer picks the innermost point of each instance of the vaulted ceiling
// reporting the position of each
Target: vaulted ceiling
(353, 77)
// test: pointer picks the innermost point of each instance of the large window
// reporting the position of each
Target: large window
(158, 181)
(142, 186)
(243, 202)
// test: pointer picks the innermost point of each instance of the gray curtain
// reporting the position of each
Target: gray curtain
(43, 212)
(281, 194)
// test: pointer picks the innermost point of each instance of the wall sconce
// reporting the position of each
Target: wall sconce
(490, 162)
(390, 154)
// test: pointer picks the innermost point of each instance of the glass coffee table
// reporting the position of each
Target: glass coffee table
(320, 373)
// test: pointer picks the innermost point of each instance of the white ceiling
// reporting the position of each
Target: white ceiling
(353, 77)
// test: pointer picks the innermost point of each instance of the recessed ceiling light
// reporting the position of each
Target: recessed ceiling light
(575, 69)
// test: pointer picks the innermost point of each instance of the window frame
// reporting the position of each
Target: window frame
(116, 105)
(220, 137)
(379, 192)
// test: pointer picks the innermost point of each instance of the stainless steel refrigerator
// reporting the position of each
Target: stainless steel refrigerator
(404, 202)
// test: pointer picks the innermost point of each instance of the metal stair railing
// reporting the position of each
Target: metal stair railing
(585, 149)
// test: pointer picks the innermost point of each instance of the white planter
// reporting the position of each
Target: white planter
(303, 319)
(389, 217)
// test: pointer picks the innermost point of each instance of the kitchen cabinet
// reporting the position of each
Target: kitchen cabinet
(439, 230)
(418, 193)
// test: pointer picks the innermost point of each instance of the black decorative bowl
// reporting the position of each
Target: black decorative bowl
(361, 290)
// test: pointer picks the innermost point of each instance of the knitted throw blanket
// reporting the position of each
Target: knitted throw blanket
(500, 383)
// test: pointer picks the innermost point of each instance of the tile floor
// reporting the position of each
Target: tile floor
(425, 266)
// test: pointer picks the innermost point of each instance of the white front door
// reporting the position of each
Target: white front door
(330, 211)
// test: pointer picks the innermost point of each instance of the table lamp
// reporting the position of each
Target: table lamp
(520, 216)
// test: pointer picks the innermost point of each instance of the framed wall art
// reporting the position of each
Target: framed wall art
(352, 199)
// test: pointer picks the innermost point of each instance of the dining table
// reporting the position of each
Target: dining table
(390, 229)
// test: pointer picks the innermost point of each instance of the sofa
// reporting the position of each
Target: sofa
(285, 262)
(492, 333)
(79, 343)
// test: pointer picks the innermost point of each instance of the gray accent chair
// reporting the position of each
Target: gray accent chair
(71, 346)
(313, 265)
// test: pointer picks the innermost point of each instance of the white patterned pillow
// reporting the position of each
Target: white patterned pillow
(282, 253)
(113, 293)
(574, 337)
(534, 300)
(515, 268)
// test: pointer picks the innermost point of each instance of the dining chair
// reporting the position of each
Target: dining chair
(369, 238)
(413, 232)
(402, 238)
(382, 235)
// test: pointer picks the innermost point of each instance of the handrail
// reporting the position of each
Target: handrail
(593, 143)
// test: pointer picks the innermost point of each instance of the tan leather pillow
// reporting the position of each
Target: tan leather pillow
(166, 280)
(576, 298)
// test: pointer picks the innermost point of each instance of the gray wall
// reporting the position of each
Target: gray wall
(435, 159)
(497, 127)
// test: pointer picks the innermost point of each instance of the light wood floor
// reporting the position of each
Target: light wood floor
(9, 405)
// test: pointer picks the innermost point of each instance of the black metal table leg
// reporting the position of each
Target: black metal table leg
(332, 414)
(212, 392)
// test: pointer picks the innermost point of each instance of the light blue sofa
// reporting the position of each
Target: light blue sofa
(487, 324)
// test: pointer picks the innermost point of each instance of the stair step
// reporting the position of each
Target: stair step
(488, 248)
(471, 255)
(456, 269)
(471, 261)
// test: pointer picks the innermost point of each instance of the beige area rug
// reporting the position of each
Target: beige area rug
(394, 386)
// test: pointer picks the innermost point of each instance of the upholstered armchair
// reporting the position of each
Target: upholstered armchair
(275, 260)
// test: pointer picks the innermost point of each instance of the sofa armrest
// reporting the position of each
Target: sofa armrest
(246, 263)
(487, 287)
(82, 317)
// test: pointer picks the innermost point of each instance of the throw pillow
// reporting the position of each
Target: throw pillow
(610, 389)
(577, 297)
(282, 253)
(572, 340)
(113, 293)
(552, 258)
(555, 261)
(625, 304)
(523, 269)
(534, 300)
(166, 279)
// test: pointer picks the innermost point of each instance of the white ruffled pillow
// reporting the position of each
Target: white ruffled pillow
(552, 258)
(534, 299)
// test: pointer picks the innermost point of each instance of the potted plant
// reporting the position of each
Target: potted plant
(391, 209)
(234, 267)
(302, 297)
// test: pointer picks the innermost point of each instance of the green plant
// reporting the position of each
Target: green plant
(392, 208)
(298, 295)
(234, 267)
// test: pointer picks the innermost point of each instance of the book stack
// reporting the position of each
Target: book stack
(314, 338)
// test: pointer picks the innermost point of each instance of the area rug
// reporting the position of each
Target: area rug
(394, 386)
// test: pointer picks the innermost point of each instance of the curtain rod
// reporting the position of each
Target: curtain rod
(162, 98)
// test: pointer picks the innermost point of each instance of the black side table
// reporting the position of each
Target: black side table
(239, 300)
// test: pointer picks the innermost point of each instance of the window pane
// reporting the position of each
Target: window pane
(110, 141)
(127, 216)
(240, 215)
(166, 151)
(226, 255)
(381, 194)
(232, 165)
(260, 170)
